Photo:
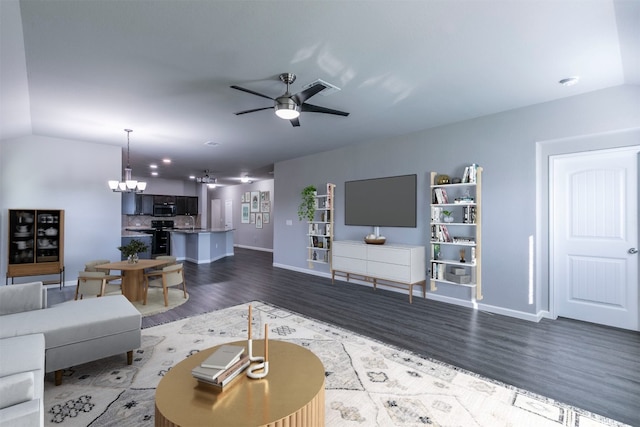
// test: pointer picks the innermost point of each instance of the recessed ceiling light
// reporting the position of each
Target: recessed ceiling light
(154, 173)
(166, 161)
(192, 177)
(244, 179)
(212, 143)
(153, 166)
(569, 81)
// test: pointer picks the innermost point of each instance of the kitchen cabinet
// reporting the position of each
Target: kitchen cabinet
(186, 205)
(36, 243)
(137, 204)
(129, 204)
(144, 204)
(164, 200)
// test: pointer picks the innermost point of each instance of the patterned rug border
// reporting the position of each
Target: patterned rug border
(521, 391)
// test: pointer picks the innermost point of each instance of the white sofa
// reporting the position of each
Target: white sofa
(22, 381)
(73, 332)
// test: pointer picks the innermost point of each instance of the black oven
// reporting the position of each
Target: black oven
(164, 210)
(161, 237)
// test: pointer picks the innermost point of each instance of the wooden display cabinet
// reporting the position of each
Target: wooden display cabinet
(36, 244)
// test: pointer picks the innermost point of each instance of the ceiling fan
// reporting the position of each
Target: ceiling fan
(290, 106)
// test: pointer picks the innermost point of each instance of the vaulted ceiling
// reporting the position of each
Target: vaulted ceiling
(86, 70)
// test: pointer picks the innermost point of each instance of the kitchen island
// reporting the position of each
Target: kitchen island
(201, 246)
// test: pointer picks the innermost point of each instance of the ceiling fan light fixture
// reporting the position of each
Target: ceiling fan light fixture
(286, 108)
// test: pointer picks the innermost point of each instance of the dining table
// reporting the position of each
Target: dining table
(133, 275)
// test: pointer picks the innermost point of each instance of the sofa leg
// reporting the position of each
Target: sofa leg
(58, 377)
(130, 357)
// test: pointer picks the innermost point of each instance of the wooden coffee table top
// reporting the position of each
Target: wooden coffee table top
(292, 394)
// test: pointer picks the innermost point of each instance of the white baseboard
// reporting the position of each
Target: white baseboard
(417, 292)
(303, 270)
(532, 317)
(253, 248)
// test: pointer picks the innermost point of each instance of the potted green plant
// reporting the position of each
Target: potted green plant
(447, 216)
(132, 249)
(307, 208)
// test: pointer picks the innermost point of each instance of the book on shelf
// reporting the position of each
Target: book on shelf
(221, 377)
(436, 213)
(469, 216)
(463, 239)
(470, 174)
(445, 237)
(223, 357)
(441, 195)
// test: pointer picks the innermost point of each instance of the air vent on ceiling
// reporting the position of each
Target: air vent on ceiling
(329, 87)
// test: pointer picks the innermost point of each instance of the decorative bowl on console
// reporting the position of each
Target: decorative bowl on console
(372, 239)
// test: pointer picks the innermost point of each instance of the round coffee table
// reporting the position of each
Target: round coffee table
(292, 394)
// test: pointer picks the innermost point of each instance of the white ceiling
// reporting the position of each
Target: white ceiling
(86, 70)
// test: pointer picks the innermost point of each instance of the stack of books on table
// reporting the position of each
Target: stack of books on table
(222, 366)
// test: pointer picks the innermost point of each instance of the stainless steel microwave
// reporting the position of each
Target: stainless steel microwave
(164, 210)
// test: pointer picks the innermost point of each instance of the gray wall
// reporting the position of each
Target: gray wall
(247, 235)
(504, 144)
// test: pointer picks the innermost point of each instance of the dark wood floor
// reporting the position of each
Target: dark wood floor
(594, 367)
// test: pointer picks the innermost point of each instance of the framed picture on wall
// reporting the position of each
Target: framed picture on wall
(264, 196)
(242, 199)
(247, 197)
(245, 213)
(266, 217)
(265, 206)
(255, 201)
(253, 218)
(259, 220)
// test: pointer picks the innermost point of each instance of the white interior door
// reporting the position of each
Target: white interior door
(228, 214)
(594, 234)
(216, 214)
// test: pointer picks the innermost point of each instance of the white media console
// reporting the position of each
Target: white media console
(396, 265)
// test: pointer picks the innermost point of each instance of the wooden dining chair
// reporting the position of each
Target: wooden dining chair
(114, 282)
(90, 283)
(170, 260)
(172, 275)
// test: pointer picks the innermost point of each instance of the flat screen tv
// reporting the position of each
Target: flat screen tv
(381, 202)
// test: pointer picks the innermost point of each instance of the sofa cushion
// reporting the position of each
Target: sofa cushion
(75, 321)
(27, 414)
(16, 388)
(22, 297)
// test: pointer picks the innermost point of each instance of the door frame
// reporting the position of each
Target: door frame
(544, 287)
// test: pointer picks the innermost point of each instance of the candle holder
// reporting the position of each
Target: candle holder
(252, 358)
(261, 370)
(252, 370)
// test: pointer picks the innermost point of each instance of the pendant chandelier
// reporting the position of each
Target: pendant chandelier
(127, 185)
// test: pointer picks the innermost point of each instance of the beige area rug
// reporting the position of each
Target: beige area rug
(367, 383)
(155, 301)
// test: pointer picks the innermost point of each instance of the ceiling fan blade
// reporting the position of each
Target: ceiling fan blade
(254, 110)
(251, 92)
(316, 109)
(295, 122)
(302, 96)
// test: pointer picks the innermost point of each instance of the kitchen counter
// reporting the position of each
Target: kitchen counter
(201, 246)
(137, 231)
